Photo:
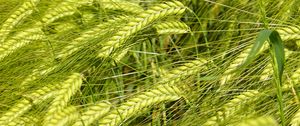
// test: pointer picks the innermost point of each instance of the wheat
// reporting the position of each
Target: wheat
(268, 70)
(24, 121)
(98, 31)
(289, 33)
(69, 88)
(16, 18)
(93, 113)
(171, 27)
(26, 103)
(121, 5)
(260, 121)
(64, 117)
(296, 119)
(239, 60)
(140, 22)
(140, 102)
(231, 107)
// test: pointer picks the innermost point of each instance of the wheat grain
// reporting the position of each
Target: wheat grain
(16, 18)
(68, 88)
(93, 113)
(140, 22)
(139, 102)
(171, 27)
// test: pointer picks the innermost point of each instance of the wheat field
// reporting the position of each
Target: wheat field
(149, 63)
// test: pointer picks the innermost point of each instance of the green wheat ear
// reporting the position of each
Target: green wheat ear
(93, 113)
(68, 88)
(64, 117)
(25, 104)
(121, 5)
(232, 107)
(24, 121)
(16, 18)
(139, 23)
(139, 102)
(171, 27)
(289, 33)
(260, 121)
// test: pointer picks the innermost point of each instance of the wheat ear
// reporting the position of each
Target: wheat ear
(296, 119)
(21, 39)
(98, 30)
(227, 75)
(24, 121)
(260, 121)
(171, 27)
(140, 22)
(268, 70)
(16, 17)
(140, 102)
(93, 113)
(64, 117)
(289, 33)
(26, 103)
(68, 88)
(231, 107)
(121, 5)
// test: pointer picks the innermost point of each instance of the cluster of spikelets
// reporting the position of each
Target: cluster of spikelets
(60, 53)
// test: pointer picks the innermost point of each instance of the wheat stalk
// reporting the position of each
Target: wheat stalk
(16, 18)
(140, 22)
(93, 113)
(69, 88)
(139, 102)
(171, 27)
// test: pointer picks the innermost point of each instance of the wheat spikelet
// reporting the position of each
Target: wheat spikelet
(172, 27)
(237, 62)
(121, 5)
(64, 117)
(139, 102)
(26, 103)
(68, 88)
(140, 22)
(24, 121)
(21, 39)
(16, 17)
(93, 113)
(289, 33)
(98, 30)
(231, 107)
(268, 70)
(260, 121)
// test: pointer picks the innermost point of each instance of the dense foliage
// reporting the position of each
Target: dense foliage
(154, 62)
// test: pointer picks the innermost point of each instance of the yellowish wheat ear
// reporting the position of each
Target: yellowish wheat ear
(289, 33)
(16, 18)
(296, 119)
(139, 23)
(171, 27)
(68, 88)
(122, 5)
(260, 121)
(98, 30)
(24, 121)
(64, 117)
(138, 103)
(240, 59)
(93, 113)
(268, 70)
(25, 104)
(231, 107)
